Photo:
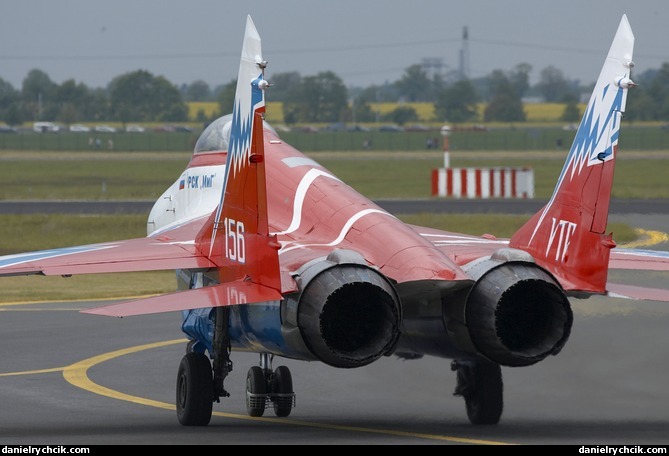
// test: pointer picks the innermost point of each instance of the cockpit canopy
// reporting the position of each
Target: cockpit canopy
(216, 137)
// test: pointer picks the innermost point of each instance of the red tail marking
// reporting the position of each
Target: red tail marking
(244, 248)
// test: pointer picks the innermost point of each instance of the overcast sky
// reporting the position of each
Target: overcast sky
(362, 41)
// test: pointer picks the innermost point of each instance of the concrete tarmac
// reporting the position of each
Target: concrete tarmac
(71, 378)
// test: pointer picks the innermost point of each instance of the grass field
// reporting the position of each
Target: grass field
(376, 174)
(88, 175)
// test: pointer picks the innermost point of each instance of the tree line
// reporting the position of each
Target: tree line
(140, 96)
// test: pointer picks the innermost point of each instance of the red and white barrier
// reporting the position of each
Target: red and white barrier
(483, 182)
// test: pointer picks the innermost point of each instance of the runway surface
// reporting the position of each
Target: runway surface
(70, 378)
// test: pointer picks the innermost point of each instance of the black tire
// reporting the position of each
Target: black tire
(256, 385)
(485, 401)
(283, 384)
(195, 390)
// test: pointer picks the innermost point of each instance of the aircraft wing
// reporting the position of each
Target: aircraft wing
(172, 249)
(640, 259)
(463, 249)
(224, 294)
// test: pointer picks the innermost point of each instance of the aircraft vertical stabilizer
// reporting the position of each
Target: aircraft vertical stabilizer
(567, 236)
(236, 237)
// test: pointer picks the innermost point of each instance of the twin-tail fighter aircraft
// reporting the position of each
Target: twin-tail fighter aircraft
(276, 255)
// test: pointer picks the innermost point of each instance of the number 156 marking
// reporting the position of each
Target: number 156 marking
(235, 246)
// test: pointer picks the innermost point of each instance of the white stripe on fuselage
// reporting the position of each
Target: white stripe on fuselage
(300, 194)
(456, 239)
(342, 234)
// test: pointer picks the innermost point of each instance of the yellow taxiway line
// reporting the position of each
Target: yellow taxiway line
(77, 375)
(647, 238)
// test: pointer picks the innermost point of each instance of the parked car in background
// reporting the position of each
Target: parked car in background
(7, 129)
(135, 129)
(417, 127)
(46, 127)
(390, 128)
(172, 128)
(105, 129)
(163, 128)
(78, 128)
(337, 126)
(357, 128)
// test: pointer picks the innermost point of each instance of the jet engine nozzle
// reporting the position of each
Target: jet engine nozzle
(516, 315)
(349, 316)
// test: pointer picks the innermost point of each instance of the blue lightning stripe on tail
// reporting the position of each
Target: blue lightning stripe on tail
(249, 97)
(595, 140)
(588, 147)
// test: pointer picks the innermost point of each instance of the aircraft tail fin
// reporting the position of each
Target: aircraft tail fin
(236, 237)
(567, 236)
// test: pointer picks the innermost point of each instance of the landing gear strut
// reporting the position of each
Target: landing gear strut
(201, 382)
(265, 386)
(480, 384)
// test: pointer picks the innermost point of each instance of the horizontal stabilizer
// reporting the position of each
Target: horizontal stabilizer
(618, 290)
(224, 294)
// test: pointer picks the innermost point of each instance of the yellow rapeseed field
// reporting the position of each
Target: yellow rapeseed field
(209, 108)
(535, 112)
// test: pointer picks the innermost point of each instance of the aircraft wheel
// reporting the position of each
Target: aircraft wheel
(195, 390)
(480, 383)
(256, 391)
(283, 386)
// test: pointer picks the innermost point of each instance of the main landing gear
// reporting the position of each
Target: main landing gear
(265, 386)
(196, 392)
(480, 384)
(200, 383)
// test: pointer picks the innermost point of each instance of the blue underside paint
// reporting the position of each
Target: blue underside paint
(198, 325)
(254, 327)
